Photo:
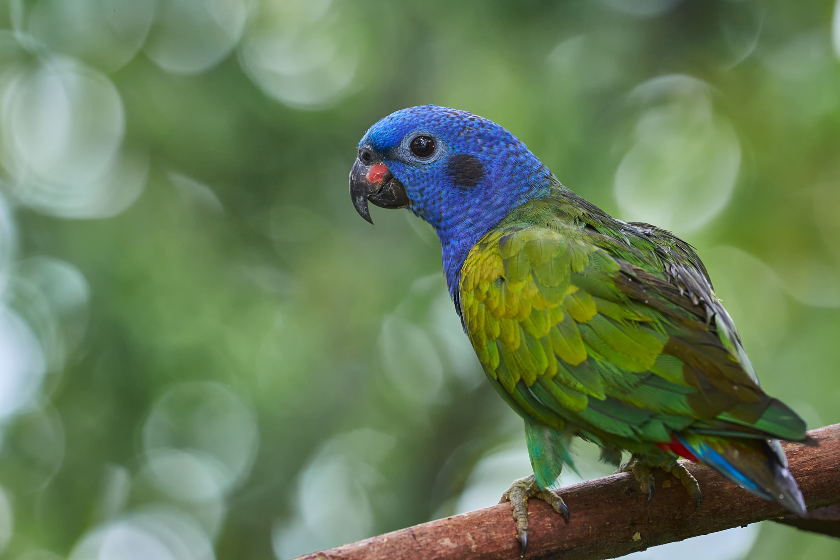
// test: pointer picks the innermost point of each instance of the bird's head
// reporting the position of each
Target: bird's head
(459, 172)
(451, 168)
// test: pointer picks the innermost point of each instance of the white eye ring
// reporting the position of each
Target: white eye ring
(409, 144)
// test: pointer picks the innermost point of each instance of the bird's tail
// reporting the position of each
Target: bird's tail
(756, 465)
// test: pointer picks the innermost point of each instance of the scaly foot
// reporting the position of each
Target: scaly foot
(689, 483)
(642, 471)
(518, 494)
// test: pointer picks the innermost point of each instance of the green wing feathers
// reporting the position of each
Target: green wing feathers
(575, 329)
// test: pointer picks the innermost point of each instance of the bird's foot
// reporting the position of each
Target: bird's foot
(641, 470)
(689, 483)
(518, 494)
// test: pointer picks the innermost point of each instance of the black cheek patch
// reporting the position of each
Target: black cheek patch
(465, 170)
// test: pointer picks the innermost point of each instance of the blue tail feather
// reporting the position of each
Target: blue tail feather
(713, 459)
(757, 466)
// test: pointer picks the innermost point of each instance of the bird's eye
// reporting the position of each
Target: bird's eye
(423, 146)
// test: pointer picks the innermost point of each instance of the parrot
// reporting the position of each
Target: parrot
(587, 326)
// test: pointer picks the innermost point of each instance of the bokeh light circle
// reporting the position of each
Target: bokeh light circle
(298, 52)
(333, 504)
(683, 165)
(106, 33)
(33, 447)
(159, 533)
(200, 441)
(192, 36)
(53, 296)
(62, 139)
(22, 364)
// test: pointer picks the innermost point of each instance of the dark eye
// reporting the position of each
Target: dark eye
(423, 146)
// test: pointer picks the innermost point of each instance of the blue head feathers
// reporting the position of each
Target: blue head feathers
(462, 173)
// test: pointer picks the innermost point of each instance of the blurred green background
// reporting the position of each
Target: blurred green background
(206, 353)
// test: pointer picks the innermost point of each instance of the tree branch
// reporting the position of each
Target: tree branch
(823, 520)
(610, 516)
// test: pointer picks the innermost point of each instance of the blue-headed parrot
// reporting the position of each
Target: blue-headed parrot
(587, 326)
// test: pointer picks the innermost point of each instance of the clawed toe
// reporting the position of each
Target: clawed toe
(518, 494)
(556, 502)
(689, 483)
(642, 472)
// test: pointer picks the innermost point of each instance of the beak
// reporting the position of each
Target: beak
(375, 183)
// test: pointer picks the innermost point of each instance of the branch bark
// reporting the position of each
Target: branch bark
(823, 520)
(611, 517)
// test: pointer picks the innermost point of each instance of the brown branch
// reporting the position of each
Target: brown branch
(823, 520)
(610, 516)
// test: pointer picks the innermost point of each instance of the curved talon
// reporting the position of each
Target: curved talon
(642, 472)
(518, 494)
(556, 503)
(689, 483)
(565, 511)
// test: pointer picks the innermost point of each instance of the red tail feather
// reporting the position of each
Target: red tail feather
(675, 446)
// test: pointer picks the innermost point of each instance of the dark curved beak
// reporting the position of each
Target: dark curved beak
(384, 190)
